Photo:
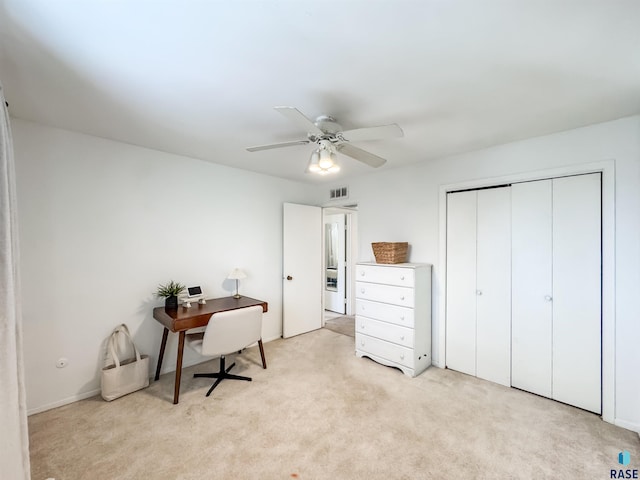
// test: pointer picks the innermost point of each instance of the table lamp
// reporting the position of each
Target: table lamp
(236, 274)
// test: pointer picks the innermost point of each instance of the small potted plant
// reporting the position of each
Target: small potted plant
(170, 293)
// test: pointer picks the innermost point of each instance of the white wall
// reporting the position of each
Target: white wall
(103, 223)
(403, 205)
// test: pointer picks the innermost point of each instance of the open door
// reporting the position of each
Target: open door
(301, 269)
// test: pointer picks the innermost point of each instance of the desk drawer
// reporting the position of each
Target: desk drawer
(384, 293)
(385, 331)
(401, 277)
(381, 348)
(386, 312)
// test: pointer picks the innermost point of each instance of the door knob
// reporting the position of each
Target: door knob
(478, 292)
(548, 298)
(289, 277)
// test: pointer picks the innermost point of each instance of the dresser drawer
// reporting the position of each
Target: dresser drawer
(384, 293)
(401, 277)
(385, 331)
(381, 348)
(386, 312)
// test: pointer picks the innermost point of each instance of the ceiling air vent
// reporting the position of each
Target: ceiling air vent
(337, 193)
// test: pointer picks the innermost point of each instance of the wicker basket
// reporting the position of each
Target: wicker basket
(390, 252)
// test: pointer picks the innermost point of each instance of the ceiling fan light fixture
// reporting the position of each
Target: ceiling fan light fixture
(327, 159)
(313, 166)
(323, 161)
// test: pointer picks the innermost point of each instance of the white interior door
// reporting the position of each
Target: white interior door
(493, 285)
(577, 291)
(531, 289)
(461, 282)
(301, 269)
(334, 263)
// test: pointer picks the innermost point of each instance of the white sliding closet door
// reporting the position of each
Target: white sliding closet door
(532, 288)
(493, 285)
(577, 291)
(461, 282)
(479, 283)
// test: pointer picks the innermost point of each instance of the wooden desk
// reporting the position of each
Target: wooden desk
(181, 319)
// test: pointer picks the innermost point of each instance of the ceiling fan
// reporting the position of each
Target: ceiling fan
(328, 135)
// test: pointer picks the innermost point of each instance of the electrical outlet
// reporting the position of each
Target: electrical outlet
(62, 362)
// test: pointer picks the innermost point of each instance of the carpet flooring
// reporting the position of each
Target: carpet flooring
(343, 324)
(319, 412)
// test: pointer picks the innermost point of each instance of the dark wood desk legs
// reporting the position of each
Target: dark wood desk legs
(264, 362)
(163, 344)
(176, 390)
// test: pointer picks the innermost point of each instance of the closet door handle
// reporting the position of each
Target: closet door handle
(548, 298)
(478, 292)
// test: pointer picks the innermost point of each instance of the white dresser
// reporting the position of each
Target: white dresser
(393, 315)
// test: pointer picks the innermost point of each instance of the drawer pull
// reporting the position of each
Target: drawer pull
(362, 274)
(362, 342)
(362, 326)
(402, 356)
(401, 277)
(362, 290)
(402, 337)
(402, 297)
(401, 317)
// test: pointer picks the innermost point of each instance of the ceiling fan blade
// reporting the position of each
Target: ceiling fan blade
(361, 155)
(373, 133)
(277, 145)
(297, 117)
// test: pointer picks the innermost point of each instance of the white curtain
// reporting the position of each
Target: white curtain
(14, 438)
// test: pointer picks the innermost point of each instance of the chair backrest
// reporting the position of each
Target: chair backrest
(231, 331)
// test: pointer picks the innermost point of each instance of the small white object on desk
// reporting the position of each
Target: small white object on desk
(193, 294)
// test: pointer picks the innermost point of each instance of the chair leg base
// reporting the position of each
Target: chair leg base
(223, 374)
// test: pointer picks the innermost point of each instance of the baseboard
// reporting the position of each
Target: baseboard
(93, 393)
(64, 401)
(634, 427)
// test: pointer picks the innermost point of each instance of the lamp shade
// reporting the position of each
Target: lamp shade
(237, 274)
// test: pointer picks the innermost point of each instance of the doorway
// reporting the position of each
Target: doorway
(338, 260)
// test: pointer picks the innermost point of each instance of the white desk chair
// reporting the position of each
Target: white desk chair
(228, 332)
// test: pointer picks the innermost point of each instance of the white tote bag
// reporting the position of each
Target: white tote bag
(124, 376)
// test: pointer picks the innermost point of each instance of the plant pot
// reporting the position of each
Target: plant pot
(171, 302)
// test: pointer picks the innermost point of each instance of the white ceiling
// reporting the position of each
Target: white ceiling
(201, 78)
